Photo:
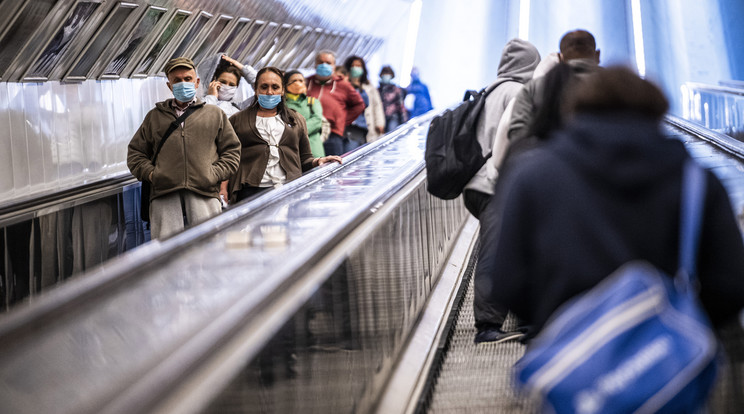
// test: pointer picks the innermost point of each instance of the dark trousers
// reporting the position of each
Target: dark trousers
(487, 313)
(248, 191)
(338, 145)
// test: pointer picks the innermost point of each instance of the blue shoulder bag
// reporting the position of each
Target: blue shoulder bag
(638, 342)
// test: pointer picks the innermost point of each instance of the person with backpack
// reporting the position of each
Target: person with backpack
(602, 192)
(519, 58)
(307, 106)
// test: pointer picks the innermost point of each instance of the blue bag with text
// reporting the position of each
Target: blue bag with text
(638, 342)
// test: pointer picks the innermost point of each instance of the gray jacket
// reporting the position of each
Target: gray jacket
(531, 96)
(518, 60)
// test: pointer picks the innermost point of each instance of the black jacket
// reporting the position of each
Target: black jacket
(604, 191)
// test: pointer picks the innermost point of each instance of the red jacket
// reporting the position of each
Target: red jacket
(341, 103)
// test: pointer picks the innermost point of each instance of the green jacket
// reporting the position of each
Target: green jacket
(198, 155)
(311, 110)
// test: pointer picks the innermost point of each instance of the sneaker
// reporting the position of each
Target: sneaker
(497, 336)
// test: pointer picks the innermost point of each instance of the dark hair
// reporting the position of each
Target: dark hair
(288, 74)
(226, 67)
(578, 44)
(617, 89)
(347, 64)
(549, 115)
(342, 70)
(387, 69)
(286, 114)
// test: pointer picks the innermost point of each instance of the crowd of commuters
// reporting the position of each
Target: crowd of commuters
(579, 179)
(234, 146)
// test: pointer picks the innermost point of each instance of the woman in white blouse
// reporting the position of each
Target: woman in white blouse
(275, 147)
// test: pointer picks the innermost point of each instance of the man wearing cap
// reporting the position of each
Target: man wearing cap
(196, 157)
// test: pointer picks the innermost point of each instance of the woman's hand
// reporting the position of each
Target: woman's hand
(232, 61)
(329, 158)
(214, 88)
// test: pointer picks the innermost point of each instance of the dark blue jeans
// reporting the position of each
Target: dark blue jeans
(338, 145)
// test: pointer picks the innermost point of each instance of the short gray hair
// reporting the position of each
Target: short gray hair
(326, 52)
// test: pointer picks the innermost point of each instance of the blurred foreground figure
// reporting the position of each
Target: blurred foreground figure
(603, 191)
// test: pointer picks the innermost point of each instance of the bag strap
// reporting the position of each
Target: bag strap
(691, 215)
(310, 104)
(172, 127)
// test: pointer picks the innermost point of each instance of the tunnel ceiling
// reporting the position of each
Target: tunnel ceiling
(74, 40)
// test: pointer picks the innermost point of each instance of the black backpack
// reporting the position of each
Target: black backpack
(453, 155)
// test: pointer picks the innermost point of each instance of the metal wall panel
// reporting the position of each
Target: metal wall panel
(60, 135)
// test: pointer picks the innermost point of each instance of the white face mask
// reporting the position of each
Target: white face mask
(226, 93)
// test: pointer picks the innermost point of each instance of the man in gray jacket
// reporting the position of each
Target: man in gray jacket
(200, 153)
(578, 49)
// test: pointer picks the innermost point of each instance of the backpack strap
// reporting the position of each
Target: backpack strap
(691, 215)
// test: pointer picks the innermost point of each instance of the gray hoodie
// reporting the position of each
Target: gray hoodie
(518, 60)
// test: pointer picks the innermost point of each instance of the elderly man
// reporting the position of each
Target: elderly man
(341, 103)
(198, 154)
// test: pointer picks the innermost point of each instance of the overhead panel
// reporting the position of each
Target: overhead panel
(289, 53)
(146, 25)
(262, 45)
(20, 31)
(230, 42)
(320, 40)
(199, 24)
(114, 25)
(211, 41)
(307, 48)
(147, 64)
(286, 36)
(63, 38)
(248, 39)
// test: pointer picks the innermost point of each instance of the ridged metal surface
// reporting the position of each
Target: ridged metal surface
(475, 378)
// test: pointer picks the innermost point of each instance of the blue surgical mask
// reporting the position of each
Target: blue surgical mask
(184, 91)
(269, 101)
(356, 72)
(324, 69)
(386, 78)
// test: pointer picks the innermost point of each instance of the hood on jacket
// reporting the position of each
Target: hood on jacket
(619, 150)
(518, 60)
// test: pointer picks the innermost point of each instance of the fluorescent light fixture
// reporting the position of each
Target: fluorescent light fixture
(524, 19)
(414, 18)
(640, 55)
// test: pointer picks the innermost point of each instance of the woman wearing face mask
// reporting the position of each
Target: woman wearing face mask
(371, 124)
(226, 76)
(392, 100)
(274, 145)
(309, 107)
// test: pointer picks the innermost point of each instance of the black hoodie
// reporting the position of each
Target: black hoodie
(603, 192)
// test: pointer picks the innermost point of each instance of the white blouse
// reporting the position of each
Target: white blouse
(271, 130)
